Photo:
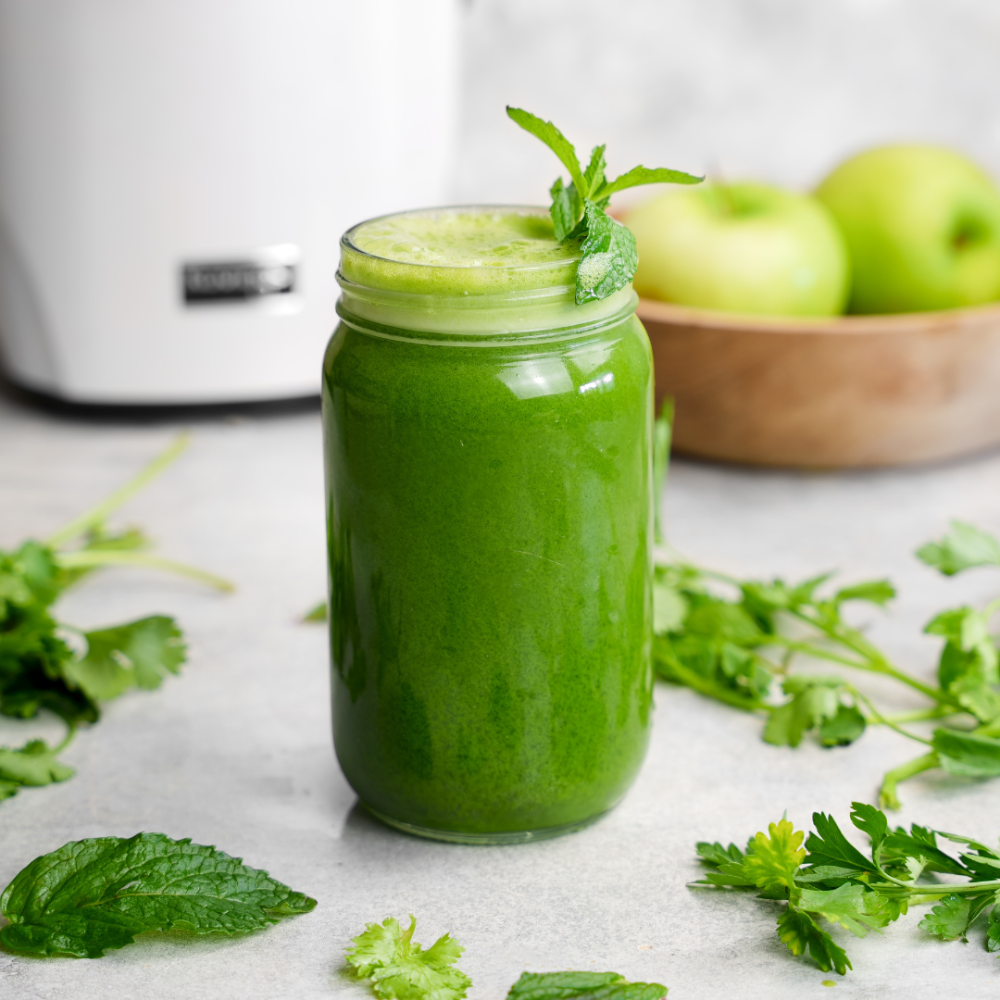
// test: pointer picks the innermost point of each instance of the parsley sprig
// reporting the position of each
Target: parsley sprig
(830, 883)
(608, 253)
(47, 664)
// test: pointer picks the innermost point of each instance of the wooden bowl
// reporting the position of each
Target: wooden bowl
(827, 393)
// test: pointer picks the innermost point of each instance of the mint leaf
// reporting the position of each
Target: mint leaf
(401, 970)
(34, 764)
(92, 895)
(552, 138)
(646, 175)
(136, 655)
(609, 257)
(967, 754)
(964, 547)
(593, 176)
(800, 933)
(565, 209)
(993, 931)
(582, 986)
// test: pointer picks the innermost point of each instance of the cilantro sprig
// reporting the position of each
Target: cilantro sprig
(93, 895)
(608, 253)
(741, 641)
(47, 664)
(828, 883)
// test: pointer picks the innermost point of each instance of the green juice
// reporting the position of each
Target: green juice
(488, 459)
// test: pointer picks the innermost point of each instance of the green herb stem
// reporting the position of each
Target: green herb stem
(877, 716)
(97, 515)
(87, 559)
(887, 794)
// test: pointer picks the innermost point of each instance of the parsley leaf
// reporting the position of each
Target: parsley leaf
(92, 895)
(772, 862)
(608, 254)
(582, 986)
(401, 969)
(962, 548)
(800, 933)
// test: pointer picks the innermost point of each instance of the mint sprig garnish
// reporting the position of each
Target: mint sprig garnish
(609, 256)
(93, 895)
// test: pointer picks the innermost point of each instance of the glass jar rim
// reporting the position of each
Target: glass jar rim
(347, 240)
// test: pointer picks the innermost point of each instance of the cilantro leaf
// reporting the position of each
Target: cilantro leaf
(35, 764)
(967, 754)
(92, 895)
(136, 655)
(401, 970)
(968, 667)
(608, 256)
(964, 547)
(582, 986)
(844, 728)
(815, 701)
(799, 933)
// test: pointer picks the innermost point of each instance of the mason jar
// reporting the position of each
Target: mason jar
(489, 517)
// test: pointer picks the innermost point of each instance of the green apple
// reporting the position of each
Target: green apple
(747, 248)
(922, 226)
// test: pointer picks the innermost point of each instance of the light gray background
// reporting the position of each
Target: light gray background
(777, 90)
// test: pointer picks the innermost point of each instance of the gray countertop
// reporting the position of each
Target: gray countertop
(236, 752)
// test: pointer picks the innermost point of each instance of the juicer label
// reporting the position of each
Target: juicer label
(270, 272)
